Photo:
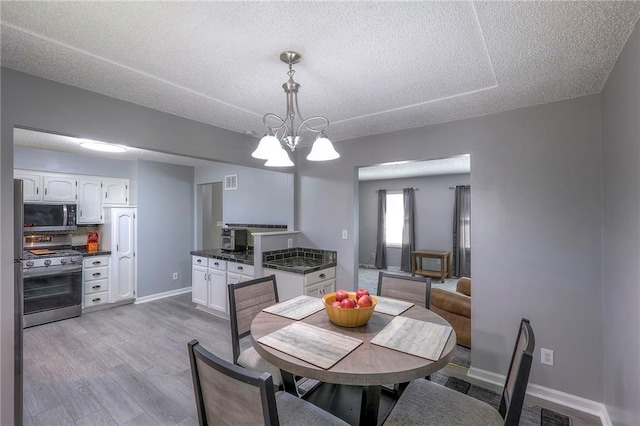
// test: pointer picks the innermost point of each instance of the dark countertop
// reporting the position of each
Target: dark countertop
(299, 260)
(239, 257)
(85, 253)
(299, 265)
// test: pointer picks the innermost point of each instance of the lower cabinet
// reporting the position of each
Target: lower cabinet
(315, 283)
(209, 280)
(95, 281)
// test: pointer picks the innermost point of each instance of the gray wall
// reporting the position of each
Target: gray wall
(66, 162)
(433, 220)
(535, 179)
(263, 196)
(165, 226)
(621, 235)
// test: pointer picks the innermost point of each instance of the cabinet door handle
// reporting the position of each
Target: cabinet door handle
(95, 287)
(322, 275)
(199, 260)
(37, 190)
(216, 264)
(96, 262)
(97, 299)
(45, 191)
(80, 212)
(240, 268)
(96, 274)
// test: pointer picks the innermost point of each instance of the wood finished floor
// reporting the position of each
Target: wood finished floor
(129, 366)
(122, 366)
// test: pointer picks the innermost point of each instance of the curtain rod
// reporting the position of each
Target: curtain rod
(415, 189)
(454, 187)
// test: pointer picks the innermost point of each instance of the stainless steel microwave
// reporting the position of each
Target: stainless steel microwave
(49, 217)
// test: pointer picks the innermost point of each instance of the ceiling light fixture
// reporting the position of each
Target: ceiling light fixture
(102, 146)
(285, 130)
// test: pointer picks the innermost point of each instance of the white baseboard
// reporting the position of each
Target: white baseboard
(162, 295)
(578, 403)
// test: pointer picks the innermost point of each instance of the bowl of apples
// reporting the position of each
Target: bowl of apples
(349, 308)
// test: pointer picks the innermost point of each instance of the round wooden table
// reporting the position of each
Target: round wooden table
(369, 365)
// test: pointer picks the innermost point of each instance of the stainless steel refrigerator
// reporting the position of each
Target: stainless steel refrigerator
(18, 220)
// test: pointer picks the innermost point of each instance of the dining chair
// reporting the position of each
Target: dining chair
(428, 403)
(246, 300)
(403, 287)
(228, 394)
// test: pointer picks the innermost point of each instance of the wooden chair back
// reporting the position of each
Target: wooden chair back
(246, 300)
(411, 289)
(518, 376)
(227, 394)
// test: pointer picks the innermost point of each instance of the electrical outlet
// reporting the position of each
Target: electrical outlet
(345, 234)
(546, 356)
(289, 242)
(175, 275)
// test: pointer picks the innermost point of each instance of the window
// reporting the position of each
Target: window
(394, 219)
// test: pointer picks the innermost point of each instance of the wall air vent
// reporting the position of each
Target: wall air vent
(230, 182)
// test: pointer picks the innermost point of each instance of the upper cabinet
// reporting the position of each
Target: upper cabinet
(31, 184)
(91, 193)
(90, 201)
(116, 191)
(60, 189)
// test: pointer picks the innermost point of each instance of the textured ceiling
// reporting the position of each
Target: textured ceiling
(53, 142)
(370, 67)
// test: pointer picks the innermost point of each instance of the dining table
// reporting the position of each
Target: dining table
(367, 360)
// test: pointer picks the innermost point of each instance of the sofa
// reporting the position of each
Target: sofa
(455, 307)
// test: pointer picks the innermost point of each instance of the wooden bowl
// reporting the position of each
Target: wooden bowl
(346, 317)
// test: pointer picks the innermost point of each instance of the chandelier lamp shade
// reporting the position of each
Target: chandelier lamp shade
(288, 131)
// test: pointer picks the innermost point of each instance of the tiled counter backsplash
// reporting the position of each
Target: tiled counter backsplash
(325, 256)
(257, 227)
(79, 236)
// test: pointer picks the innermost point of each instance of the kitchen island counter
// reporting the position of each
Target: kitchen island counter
(238, 257)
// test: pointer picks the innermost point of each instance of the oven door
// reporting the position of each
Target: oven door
(52, 293)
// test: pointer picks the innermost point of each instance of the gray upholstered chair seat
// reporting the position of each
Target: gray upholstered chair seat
(252, 360)
(295, 411)
(428, 403)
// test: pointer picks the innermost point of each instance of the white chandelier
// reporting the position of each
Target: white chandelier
(285, 130)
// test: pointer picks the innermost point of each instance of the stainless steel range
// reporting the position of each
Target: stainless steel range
(52, 274)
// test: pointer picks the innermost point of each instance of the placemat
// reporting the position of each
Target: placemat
(388, 305)
(297, 308)
(312, 344)
(420, 338)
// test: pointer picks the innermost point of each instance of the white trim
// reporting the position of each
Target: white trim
(578, 403)
(162, 295)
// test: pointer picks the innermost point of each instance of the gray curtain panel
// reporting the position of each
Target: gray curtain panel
(381, 244)
(461, 257)
(408, 233)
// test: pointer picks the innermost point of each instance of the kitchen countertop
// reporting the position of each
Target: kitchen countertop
(239, 257)
(299, 260)
(85, 253)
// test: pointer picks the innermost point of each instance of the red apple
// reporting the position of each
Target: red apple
(336, 304)
(348, 303)
(341, 294)
(365, 301)
(361, 292)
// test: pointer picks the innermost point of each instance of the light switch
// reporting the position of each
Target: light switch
(345, 234)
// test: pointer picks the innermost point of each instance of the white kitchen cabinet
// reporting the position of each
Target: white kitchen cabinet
(209, 285)
(58, 188)
(119, 235)
(116, 191)
(95, 280)
(31, 185)
(199, 285)
(90, 201)
(218, 291)
(292, 285)
(239, 272)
